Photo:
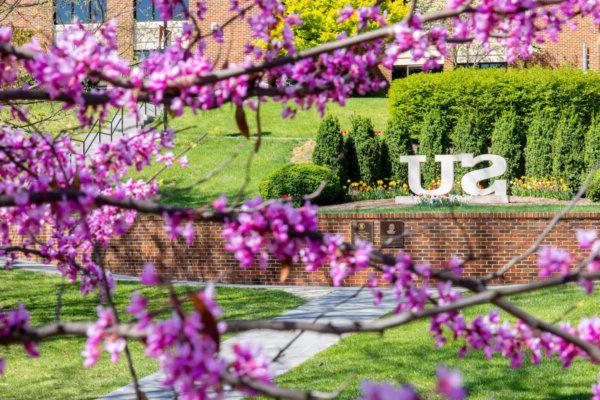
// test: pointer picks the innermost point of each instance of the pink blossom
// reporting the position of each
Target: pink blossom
(450, 384)
(586, 238)
(553, 259)
(149, 277)
(384, 391)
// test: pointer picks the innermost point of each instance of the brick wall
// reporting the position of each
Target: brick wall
(486, 240)
(568, 49)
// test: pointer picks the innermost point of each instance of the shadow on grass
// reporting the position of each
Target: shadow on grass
(238, 134)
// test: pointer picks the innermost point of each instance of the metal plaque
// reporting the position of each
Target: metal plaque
(362, 230)
(392, 233)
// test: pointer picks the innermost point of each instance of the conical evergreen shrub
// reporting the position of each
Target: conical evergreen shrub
(399, 143)
(568, 161)
(507, 142)
(539, 142)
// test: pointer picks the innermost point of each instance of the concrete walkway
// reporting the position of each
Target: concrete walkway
(325, 303)
(335, 305)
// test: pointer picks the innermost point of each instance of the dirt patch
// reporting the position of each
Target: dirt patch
(302, 154)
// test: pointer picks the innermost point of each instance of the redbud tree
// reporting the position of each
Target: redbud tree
(83, 202)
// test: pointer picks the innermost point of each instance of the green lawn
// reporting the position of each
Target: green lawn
(407, 355)
(58, 372)
(549, 208)
(304, 125)
(46, 116)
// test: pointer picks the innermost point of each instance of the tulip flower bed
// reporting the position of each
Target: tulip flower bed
(58, 372)
(407, 354)
(388, 189)
(551, 188)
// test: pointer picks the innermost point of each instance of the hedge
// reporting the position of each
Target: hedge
(491, 91)
(297, 180)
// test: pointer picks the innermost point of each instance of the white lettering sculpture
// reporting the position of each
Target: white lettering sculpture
(468, 182)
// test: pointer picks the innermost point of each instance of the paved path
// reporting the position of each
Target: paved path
(359, 308)
(330, 304)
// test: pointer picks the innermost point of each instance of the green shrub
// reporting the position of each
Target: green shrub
(431, 140)
(491, 91)
(297, 180)
(329, 149)
(468, 136)
(592, 145)
(593, 191)
(398, 141)
(507, 141)
(567, 160)
(538, 148)
(363, 142)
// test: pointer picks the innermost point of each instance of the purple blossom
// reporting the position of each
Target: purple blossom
(149, 277)
(450, 384)
(552, 260)
(385, 391)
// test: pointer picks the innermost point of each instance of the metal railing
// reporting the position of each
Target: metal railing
(116, 124)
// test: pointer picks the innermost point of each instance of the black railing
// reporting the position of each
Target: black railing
(116, 124)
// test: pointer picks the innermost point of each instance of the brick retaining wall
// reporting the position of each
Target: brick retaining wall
(487, 240)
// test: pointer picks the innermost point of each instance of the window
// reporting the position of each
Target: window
(84, 11)
(402, 71)
(483, 65)
(140, 55)
(146, 11)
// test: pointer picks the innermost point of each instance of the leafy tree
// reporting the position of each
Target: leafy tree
(398, 141)
(568, 162)
(431, 142)
(507, 141)
(538, 148)
(320, 18)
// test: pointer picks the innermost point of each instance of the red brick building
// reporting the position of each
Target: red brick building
(139, 31)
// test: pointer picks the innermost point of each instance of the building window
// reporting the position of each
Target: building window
(483, 65)
(140, 55)
(84, 11)
(402, 71)
(146, 11)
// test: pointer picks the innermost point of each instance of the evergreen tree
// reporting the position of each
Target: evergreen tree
(507, 142)
(568, 161)
(398, 141)
(592, 144)
(538, 149)
(469, 137)
(329, 150)
(431, 142)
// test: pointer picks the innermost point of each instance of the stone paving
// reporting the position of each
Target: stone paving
(359, 308)
(325, 303)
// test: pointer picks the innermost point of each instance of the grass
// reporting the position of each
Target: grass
(58, 372)
(46, 116)
(474, 208)
(407, 355)
(221, 122)
(280, 136)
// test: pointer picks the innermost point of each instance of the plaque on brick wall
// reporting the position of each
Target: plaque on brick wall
(392, 233)
(362, 230)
